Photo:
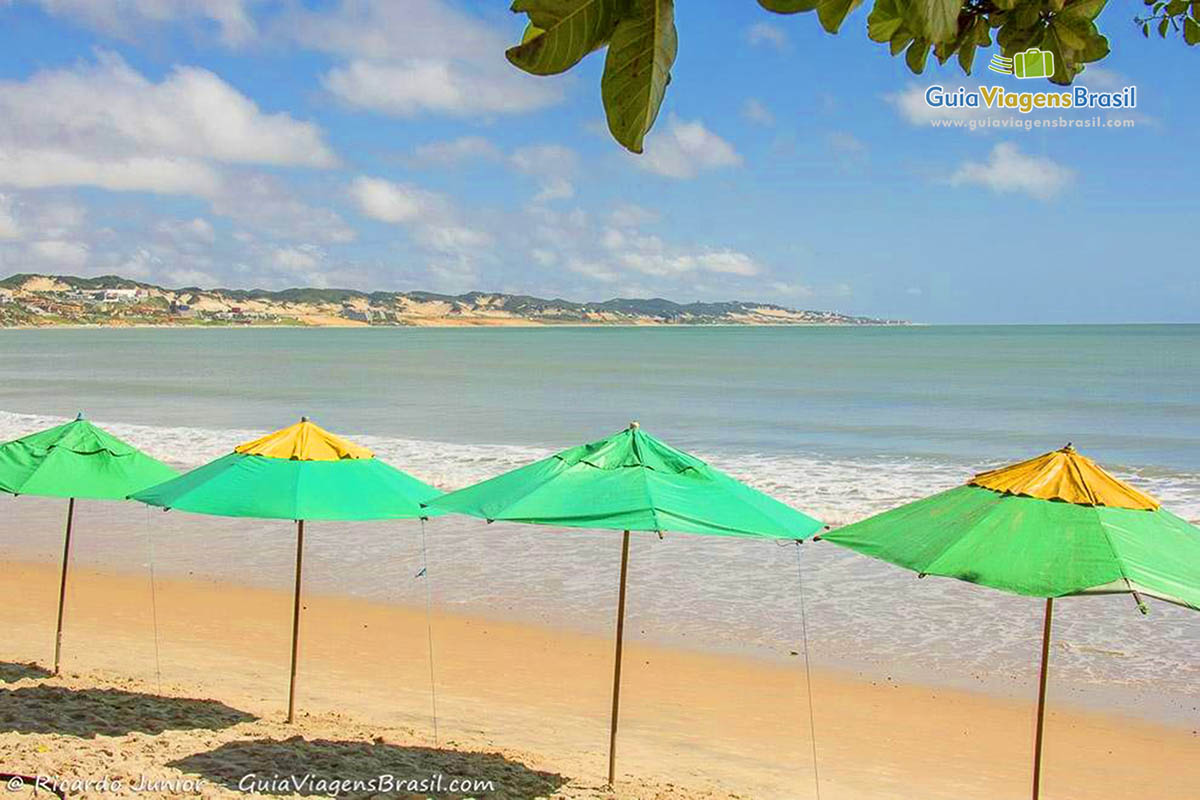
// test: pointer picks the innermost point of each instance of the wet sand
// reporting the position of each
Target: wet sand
(524, 705)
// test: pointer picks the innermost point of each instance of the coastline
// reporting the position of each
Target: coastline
(701, 724)
(449, 325)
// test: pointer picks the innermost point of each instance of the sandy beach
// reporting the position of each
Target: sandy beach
(521, 705)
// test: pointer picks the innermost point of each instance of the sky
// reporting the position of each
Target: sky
(387, 145)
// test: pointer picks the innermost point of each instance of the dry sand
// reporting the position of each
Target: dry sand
(526, 707)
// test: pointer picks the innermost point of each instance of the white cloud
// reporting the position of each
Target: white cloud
(552, 164)
(793, 290)
(764, 33)
(296, 259)
(417, 56)
(555, 189)
(389, 202)
(123, 18)
(684, 149)
(632, 216)
(545, 158)
(271, 207)
(105, 125)
(59, 253)
(196, 229)
(1009, 170)
(8, 223)
(452, 238)
(435, 225)
(464, 148)
(109, 113)
(407, 88)
(846, 143)
(383, 30)
(757, 112)
(648, 254)
(37, 167)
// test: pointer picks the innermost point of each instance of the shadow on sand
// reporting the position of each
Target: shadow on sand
(272, 767)
(11, 673)
(108, 712)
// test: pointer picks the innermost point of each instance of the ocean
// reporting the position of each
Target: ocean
(840, 422)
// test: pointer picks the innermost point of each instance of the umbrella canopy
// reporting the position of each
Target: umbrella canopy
(629, 481)
(1053, 526)
(77, 460)
(301, 473)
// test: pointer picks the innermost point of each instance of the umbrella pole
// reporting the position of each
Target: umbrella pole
(1041, 708)
(616, 694)
(62, 584)
(291, 717)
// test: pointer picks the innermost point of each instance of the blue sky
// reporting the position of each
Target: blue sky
(385, 144)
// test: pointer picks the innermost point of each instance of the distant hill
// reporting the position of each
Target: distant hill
(38, 300)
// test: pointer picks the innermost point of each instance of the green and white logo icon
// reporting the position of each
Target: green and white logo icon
(1033, 63)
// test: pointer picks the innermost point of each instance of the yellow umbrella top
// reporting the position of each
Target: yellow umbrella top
(1067, 476)
(304, 441)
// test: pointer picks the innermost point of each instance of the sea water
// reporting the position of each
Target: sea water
(840, 422)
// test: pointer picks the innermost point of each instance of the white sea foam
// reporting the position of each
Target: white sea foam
(835, 490)
(706, 592)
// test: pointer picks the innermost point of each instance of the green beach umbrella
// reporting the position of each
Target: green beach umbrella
(1054, 526)
(628, 482)
(300, 473)
(76, 461)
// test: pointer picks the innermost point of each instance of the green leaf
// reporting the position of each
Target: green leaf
(966, 57)
(884, 20)
(1069, 34)
(937, 19)
(900, 41)
(531, 32)
(1191, 31)
(638, 69)
(1084, 9)
(1004, 5)
(1176, 7)
(1027, 15)
(1064, 59)
(983, 33)
(916, 56)
(1096, 48)
(570, 30)
(788, 6)
(1163, 26)
(1146, 29)
(833, 13)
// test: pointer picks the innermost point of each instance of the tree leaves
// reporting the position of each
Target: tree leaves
(642, 42)
(1172, 15)
(938, 19)
(831, 13)
(638, 69)
(561, 32)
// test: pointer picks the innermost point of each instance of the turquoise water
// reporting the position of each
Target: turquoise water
(1125, 393)
(840, 422)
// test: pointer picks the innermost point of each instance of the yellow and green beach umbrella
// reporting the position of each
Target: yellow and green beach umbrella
(300, 473)
(1054, 526)
(628, 482)
(75, 461)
